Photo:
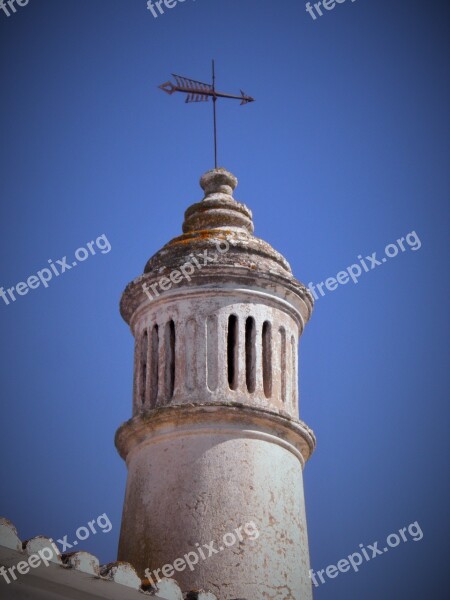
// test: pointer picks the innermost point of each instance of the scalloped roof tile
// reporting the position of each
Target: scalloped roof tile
(76, 575)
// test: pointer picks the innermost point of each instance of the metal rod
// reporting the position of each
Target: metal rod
(214, 111)
(198, 91)
(211, 93)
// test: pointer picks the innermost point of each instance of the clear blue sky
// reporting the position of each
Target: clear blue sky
(345, 151)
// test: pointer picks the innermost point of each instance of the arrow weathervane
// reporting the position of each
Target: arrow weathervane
(197, 91)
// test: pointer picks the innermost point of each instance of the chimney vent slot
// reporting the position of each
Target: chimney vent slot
(232, 351)
(170, 359)
(267, 358)
(250, 354)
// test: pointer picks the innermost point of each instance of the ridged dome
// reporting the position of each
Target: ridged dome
(217, 221)
(219, 217)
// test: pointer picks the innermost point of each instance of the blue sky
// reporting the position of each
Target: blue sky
(344, 151)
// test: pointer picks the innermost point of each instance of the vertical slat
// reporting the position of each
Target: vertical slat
(212, 352)
(240, 356)
(222, 351)
(294, 391)
(154, 365)
(137, 368)
(282, 334)
(190, 348)
(162, 366)
(288, 374)
(143, 368)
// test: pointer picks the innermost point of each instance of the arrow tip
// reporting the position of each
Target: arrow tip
(246, 99)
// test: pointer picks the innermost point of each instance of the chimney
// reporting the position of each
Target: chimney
(215, 449)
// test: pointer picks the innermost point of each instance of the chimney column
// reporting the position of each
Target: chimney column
(215, 449)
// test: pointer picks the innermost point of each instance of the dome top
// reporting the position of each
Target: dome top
(218, 221)
(219, 217)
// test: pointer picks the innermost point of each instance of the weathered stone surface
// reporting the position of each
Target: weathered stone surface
(38, 543)
(168, 589)
(82, 561)
(8, 535)
(293, 435)
(76, 577)
(216, 221)
(122, 573)
(215, 442)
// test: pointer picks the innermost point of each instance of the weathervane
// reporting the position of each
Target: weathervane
(198, 91)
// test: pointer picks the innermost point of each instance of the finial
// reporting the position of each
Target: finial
(218, 181)
(218, 209)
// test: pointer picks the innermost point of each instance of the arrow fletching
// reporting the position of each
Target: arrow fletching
(192, 84)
